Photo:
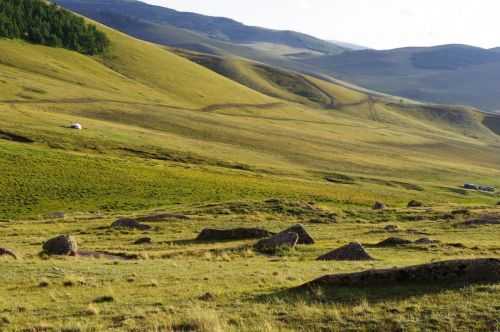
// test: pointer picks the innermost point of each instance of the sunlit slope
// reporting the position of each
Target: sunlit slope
(173, 75)
(152, 156)
(277, 82)
(319, 93)
(131, 70)
(148, 114)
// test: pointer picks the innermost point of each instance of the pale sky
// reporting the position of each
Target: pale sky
(380, 24)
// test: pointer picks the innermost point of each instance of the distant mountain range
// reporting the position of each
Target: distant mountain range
(456, 74)
(349, 46)
(450, 74)
(138, 17)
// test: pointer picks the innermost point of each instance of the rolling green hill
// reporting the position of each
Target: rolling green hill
(456, 74)
(189, 140)
(446, 74)
(145, 109)
(205, 34)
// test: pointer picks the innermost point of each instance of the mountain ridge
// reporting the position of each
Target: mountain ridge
(445, 74)
(457, 74)
(218, 28)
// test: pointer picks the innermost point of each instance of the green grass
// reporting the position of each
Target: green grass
(163, 288)
(164, 134)
(286, 149)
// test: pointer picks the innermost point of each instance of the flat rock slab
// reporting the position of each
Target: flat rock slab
(144, 240)
(393, 242)
(106, 255)
(7, 252)
(304, 237)
(130, 224)
(486, 270)
(162, 217)
(209, 234)
(392, 228)
(488, 219)
(278, 241)
(56, 215)
(426, 240)
(353, 251)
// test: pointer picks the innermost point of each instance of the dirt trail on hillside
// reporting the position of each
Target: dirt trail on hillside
(210, 108)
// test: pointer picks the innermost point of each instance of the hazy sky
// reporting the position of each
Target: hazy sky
(375, 23)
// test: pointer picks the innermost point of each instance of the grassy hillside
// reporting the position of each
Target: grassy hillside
(268, 80)
(200, 33)
(171, 110)
(450, 74)
(159, 76)
(246, 146)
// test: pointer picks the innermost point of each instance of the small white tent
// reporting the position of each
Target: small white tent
(76, 126)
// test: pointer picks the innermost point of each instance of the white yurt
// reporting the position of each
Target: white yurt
(76, 126)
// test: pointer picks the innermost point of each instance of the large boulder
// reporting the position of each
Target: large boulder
(210, 234)
(7, 252)
(61, 245)
(130, 224)
(426, 240)
(353, 251)
(463, 272)
(304, 237)
(276, 242)
(379, 206)
(393, 242)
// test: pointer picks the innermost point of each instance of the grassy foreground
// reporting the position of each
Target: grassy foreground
(162, 134)
(165, 288)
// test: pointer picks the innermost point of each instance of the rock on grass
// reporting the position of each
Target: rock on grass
(7, 252)
(104, 299)
(484, 270)
(209, 234)
(487, 219)
(130, 224)
(304, 237)
(415, 204)
(353, 251)
(393, 242)
(61, 245)
(277, 242)
(143, 240)
(379, 206)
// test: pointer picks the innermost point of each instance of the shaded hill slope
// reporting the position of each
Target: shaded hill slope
(217, 28)
(456, 74)
(205, 34)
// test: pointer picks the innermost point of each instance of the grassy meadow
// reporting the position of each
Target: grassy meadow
(164, 134)
(163, 289)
